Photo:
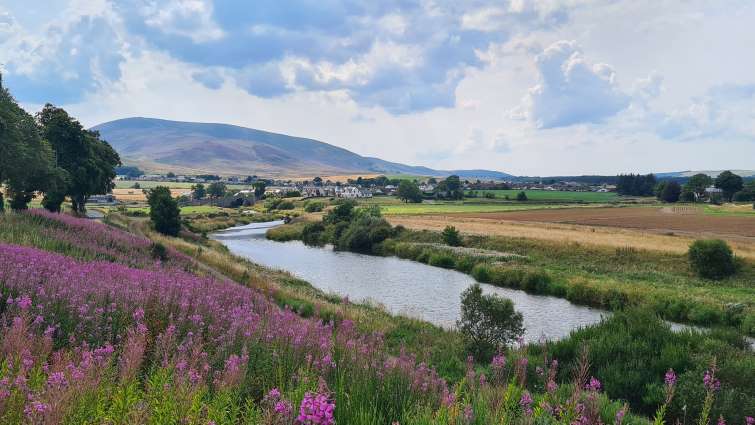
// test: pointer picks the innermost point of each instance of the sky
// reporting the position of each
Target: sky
(540, 87)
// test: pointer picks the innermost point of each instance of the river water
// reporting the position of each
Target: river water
(402, 286)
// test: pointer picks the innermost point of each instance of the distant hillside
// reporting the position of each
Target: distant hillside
(187, 147)
(712, 173)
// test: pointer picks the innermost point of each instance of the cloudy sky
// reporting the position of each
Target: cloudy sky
(541, 87)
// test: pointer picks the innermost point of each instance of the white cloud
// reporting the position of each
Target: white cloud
(572, 90)
(187, 18)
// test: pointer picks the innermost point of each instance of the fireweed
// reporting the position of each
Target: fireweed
(126, 338)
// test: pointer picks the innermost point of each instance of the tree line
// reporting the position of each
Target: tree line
(732, 187)
(51, 153)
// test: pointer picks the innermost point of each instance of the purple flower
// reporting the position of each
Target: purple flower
(316, 409)
(721, 420)
(710, 381)
(526, 402)
(498, 362)
(593, 385)
(670, 378)
(749, 420)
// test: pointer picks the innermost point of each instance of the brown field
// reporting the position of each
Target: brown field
(136, 195)
(663, 229)
(343, 178)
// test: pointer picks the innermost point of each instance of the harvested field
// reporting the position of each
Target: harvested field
(131, 195)
(678, 219)
(602, 228)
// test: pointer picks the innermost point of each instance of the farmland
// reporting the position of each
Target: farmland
(553, 195)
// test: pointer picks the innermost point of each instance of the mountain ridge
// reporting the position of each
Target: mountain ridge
(160, 145)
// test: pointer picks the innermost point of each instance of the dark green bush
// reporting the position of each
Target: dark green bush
(314, 206)
(451, 236)
(712, 259)
(311, 234)
(158, 251)
(442, 260)
(285, 205)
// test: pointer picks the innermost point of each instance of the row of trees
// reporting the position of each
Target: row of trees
(51, 153)
(732, 187)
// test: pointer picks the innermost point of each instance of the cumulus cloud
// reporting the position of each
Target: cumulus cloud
(71, 56)
(571, 90)
(187, 18)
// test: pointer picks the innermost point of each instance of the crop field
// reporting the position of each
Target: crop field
(554, 195)
(648, 228)
(686, 220)
(148, 184)
(136, 195)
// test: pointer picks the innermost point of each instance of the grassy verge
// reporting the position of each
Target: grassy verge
(612, 279)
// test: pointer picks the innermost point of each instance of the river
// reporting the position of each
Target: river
(402, 286)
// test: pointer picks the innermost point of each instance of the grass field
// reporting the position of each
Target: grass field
(459, 207)
(554, 196)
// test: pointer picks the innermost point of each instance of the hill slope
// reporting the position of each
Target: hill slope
(187, 147)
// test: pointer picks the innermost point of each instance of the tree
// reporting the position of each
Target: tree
(635, 184)
(171, 175)
(671, 191)
(451, 236)
(26, 159)
(712, 259)
(521, 196)
(259, 189)
(729, 183)
(317, 181)
(408, 191)
(698, 183)
(453, 186)
(488, 322)
(687, 195)
(89, 161)
(163, 211)
(198, 191)
(216, 190)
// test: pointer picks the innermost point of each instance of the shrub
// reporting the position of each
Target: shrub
(163, 211)
(442, 260)
(687, 196)
(712, 259)
(488, 322)
(285, 205)
(314, 206)
(311, 234)
(451, 236)
(521, 196)
(482, 273)
(536, 281)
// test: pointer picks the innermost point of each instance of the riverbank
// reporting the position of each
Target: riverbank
(611, 279)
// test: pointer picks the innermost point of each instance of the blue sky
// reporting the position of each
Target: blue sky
(528, 87)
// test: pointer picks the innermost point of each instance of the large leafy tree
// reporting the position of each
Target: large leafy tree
(26, 160)
(698, 183)
(488, 322)
(164, 211)
(408, 191)
(89, 161)
(729, 183)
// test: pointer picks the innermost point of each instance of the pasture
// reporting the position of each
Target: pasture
(552, 195)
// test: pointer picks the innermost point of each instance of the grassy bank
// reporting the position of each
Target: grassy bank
(612, 279)
(441, 349)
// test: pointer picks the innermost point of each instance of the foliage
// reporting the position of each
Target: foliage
(129, 171)
(450, 188)
(198, 191)
(216, 189)
(314, 206)
(27, 161)
(342, 212)
(451, 236)
(729, 183)
(687, 195)
(488, 322)
(631, 352)
(712, 259)
(521, 196)
(163, 211)
(89, 161)
(636, 184)
(408, 191)
(670, 192)
(311, 234)
(259, 189)
(698, 183)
